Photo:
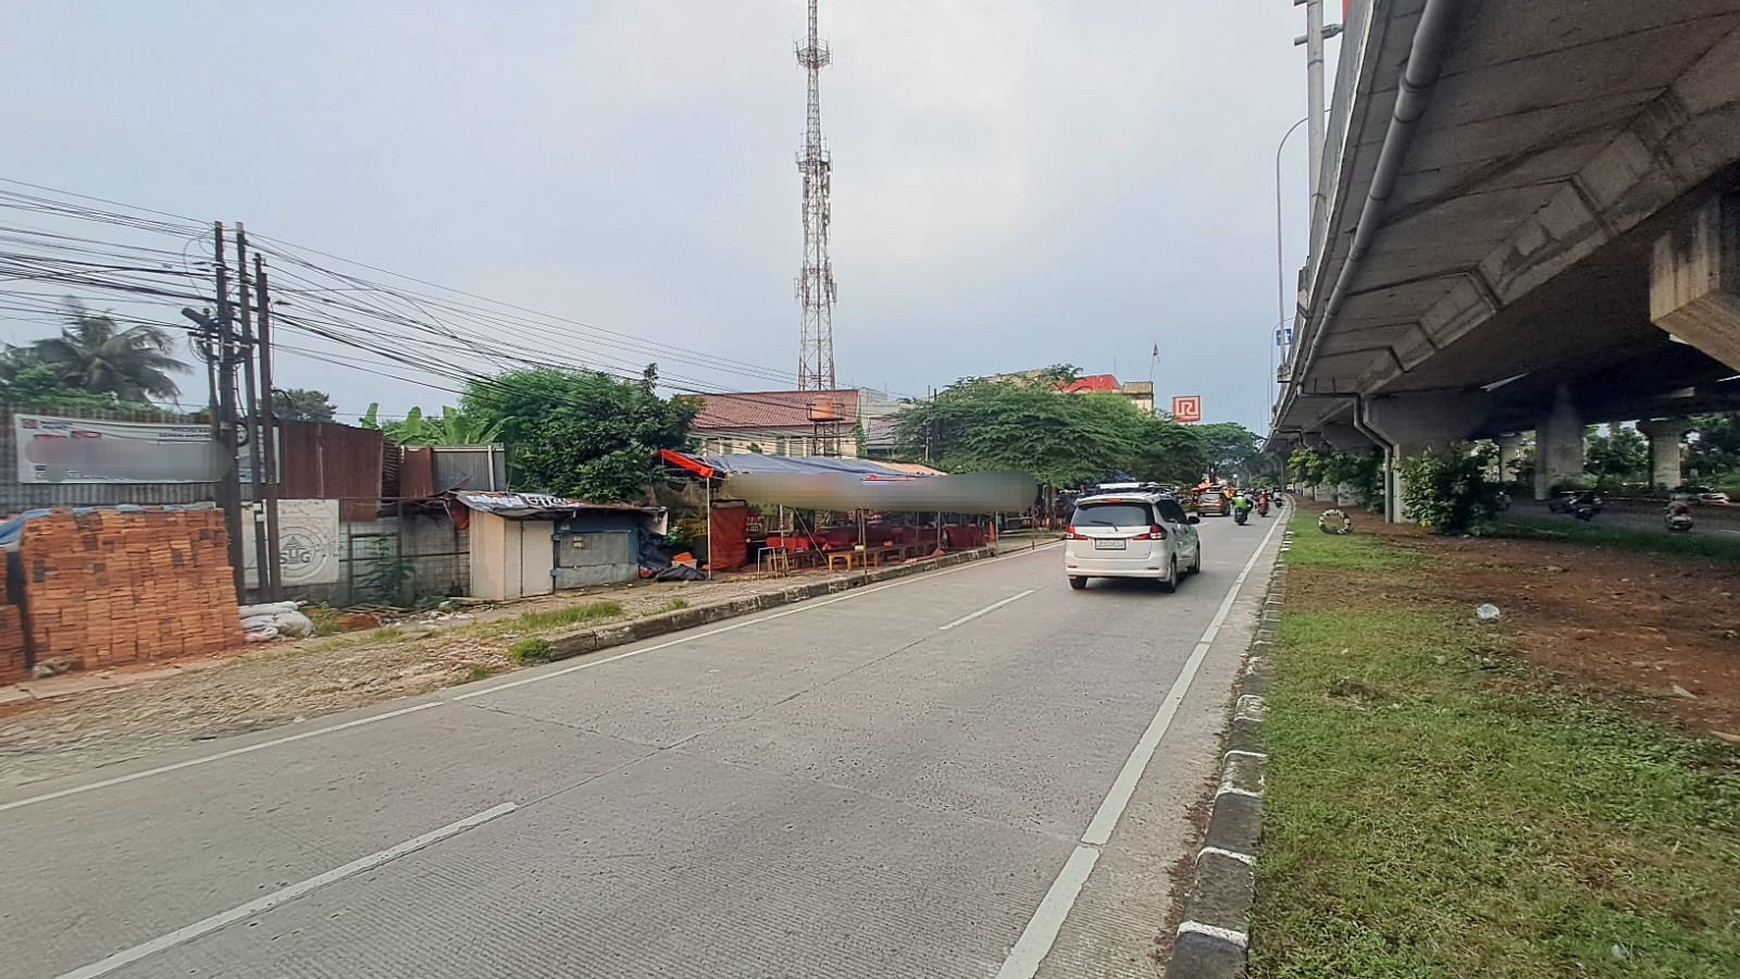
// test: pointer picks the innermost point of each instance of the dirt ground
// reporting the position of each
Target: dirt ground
(1658, 635)
(90, 720)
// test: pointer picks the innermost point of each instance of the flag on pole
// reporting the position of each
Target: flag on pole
(1156, 351)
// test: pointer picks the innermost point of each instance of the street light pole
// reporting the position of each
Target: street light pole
(1280, 267)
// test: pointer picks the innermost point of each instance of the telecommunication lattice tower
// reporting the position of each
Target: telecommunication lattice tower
(815, 285)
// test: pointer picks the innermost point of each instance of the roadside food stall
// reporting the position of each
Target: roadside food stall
(822, 512)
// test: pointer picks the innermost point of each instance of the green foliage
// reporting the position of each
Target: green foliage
(324, 617)
(1618, 453)
(303, 405)
(93, 356)
(571, 615)
(1027, 425)
(581, 433)
(1714, 456)
(674, 605)
(1360, 472)
(388, 574)
(454, 427)
(1232, 448)
(1306, 467)
(1448, 493)
(531, 650)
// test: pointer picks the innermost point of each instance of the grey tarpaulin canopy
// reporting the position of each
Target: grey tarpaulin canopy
(825, 483)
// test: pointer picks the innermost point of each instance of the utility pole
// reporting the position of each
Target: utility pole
(268, 427)
(263, 585)
(1313, 38)
(230, 485)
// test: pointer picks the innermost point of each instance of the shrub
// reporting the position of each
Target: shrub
(533, 650)
(1448, 493)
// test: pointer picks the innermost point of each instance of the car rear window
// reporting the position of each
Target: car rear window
(1113, 515)
(1170, 510)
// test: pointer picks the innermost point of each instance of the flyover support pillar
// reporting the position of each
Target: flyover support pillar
(1510, 449)
(1694, 282)
(1665, 454)
(1558, 445)
(1412, 424)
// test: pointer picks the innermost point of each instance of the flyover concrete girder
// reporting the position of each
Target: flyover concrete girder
(1510, 185)
(1694, 291)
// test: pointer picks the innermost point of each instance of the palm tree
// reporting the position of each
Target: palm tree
(95, 355)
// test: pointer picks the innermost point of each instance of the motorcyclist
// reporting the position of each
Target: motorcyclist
(1678, 509)
(1241, 504)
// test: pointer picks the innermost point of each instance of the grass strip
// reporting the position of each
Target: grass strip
(1433, 811)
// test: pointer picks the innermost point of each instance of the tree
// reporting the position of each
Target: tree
(1449, 493)
(1715, 453)
(93, 354)
(1027, 425)
(1621, 452)
(581, 433)
(1231, 447)
(302, 405)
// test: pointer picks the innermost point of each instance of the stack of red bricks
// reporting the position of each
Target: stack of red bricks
(14, 660)
(108, 588)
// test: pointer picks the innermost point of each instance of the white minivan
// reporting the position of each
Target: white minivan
(1131, 535)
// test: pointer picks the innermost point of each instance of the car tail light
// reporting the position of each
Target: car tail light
(1155, 532)
(1072, 535)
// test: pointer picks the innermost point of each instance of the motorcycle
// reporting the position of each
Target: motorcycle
(1240, 516)
(1679, 523)
(1583, 512)
(1262, 509)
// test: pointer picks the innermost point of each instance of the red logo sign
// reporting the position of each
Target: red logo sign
(1187, 408)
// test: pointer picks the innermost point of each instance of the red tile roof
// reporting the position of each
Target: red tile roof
(1091, 382)
(762, 410)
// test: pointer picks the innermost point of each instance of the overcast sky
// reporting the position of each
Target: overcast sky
(1017, 182)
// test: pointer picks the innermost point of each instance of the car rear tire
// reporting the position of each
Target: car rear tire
(1077, 583)
(1169, 584)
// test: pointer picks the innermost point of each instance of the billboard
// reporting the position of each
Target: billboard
(52, 449)
(1187, 408)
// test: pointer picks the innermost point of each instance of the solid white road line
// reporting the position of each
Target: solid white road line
(1041, 931)
(268, 902)
(231, 753)
(588, 664)
(994, 606)
(1036, 940)
(1124, 786)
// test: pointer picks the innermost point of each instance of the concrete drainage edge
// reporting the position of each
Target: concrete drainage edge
(663, 623)
(1214, 936)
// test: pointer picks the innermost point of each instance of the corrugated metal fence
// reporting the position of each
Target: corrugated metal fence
(16, 496)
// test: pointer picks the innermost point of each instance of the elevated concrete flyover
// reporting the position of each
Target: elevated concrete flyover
(1531, 221)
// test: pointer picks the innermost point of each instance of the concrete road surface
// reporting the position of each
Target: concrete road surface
(976, 772)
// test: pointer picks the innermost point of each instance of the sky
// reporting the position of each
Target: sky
(1016, 183)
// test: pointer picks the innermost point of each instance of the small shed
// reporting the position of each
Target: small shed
(525, 544)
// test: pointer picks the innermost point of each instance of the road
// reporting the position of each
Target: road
(974, 772)
(1703, 520)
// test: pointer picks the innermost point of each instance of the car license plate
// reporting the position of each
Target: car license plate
(1108, 543)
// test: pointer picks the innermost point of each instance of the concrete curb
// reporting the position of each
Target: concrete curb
(602, 637)
(1214, 936)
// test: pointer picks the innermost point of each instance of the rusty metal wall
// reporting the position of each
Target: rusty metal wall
(329, 461)
(16, 496)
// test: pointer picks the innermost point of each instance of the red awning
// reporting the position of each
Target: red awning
(693, 464)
